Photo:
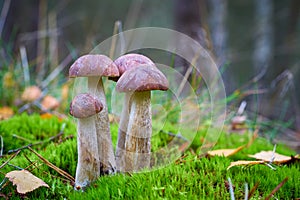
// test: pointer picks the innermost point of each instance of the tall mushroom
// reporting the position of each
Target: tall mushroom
(94, 67)
(85, 107)
(125, 63)
(139, 82)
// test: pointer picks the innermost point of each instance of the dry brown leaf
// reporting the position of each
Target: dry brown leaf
(49, 103)
(224, 152)
(31, 93)
(25, 181)
(6, 112)
(245, 162)
(268, 155)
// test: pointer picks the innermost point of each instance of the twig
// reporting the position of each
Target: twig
(49, 164)
(1, 150)
(231, 189)
(61, 132)
(187, 74)
(117, 27)
(242, 108)
(3, 16)
(12, 157)
(253, 190)
(19, 149)
(25, 65)
(276, 188)
(56, 71)
(17, 167)
(246, 191)
(273, 155)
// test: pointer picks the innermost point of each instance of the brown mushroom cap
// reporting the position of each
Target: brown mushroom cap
(93, 65)
(142, 78)
(85, 105)
(129, 61)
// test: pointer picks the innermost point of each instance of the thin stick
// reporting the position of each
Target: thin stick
(246, 191)
(187, 74)
(1, 151)
(231, 189)
(57, 71)
(49, 164)
(4, 13)
(12, 157)
(25, 65)
(114, 40)
(253, 190)
(277, 188)
(61, 132)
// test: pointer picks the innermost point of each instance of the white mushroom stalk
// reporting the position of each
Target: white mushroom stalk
(94, 67)
(125, 63)
(140, 81)
(85, 107)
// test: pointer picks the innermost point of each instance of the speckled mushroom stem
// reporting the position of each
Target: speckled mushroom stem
(139, 131)
(105, 148)
(88, 165)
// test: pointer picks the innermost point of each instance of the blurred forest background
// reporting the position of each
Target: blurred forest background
(256, 43)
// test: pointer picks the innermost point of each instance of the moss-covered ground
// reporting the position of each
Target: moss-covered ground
(193, 176)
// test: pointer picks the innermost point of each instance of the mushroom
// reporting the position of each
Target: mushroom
(138, 82)
(85, 107)
(49, 103)
(125, 63)
(94, 67)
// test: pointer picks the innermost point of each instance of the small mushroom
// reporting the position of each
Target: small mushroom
(49, 103)
(85, 107)
(94, 67)
(138, 82)
(125, 63)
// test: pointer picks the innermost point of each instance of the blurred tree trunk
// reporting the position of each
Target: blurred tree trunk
(217, 22)
(188, 20)
(263, 36)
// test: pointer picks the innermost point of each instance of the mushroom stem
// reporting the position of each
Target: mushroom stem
(88, 158)
(105, 148)
(120, 150)
(139, 131)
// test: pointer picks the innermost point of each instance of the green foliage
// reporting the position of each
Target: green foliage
(190, 177)
(23, 130)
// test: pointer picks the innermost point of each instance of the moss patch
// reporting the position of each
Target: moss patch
(191, 177)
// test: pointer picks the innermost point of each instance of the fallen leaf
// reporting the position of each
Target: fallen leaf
(6, 112)
(244, 163)
(268, 155)
(25, 181)
(230, 152)
(49, 103)
(224, 152)
(31, 93)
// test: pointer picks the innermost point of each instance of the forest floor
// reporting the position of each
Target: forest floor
(46, 146)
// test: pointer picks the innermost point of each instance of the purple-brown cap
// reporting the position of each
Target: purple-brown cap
(93, 65)
(85, 105)
(129, 61)
(142, 78)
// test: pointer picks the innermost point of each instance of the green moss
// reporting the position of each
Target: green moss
(23, 130)
(191, 178)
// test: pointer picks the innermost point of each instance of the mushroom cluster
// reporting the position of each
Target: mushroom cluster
(136, 75)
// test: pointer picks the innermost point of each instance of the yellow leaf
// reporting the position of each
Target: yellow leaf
(25, 181)
(224, 152)
(269, 155)
(245, 162)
